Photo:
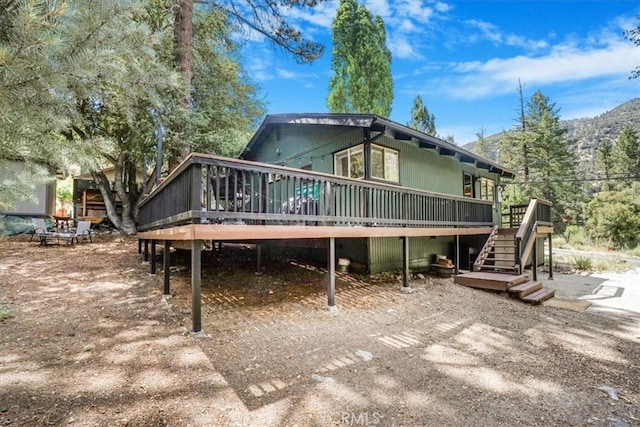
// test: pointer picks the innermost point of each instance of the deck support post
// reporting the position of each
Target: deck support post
(550, 258)
(331, 267)
(167, 267)
(139, 247)
(456, 267)
(534, 258)
(196, 277)
(146, 251)
(405, 262)
(259, 258)
(152, 265)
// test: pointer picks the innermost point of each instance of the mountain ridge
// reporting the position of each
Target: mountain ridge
(586, 134)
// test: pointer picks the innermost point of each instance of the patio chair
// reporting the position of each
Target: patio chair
(40, 229)
(83, 230)
(45, 236)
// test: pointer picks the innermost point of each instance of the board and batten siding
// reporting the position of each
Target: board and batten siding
(385, 253)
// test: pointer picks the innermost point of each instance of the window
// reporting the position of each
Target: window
(384, 163)
(467, 185)
(350, 162)
(487, 189)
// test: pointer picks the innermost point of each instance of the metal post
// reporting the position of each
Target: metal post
(196, 277)
(153, 258)
(534, 258)
(331, 267)
(405, 262)
(139, 246)
(146, 250)
(259, 258)
(167, 267)
(550, 258)
(456, 267)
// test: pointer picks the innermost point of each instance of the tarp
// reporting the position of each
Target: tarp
(11, 225)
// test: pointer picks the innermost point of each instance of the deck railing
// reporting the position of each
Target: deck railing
(211, 189)
(538, 213)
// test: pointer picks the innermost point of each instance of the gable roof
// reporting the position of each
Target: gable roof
(376, 123)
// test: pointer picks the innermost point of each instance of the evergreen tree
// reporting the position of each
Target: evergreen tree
(540, 147)
(627, 153)
(266, 17)
(30, 115)
(361, 63)
(482, 145)
(606, 162)
(633, 35)
(421, 118)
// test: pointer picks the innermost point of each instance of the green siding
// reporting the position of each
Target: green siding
(385, 253)
(300, 145)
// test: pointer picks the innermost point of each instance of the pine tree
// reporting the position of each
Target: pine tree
(627, 153)
(553, 164)
(266, 17)
(421, 118)
(540, 152)
(606, 162)
(361, 63)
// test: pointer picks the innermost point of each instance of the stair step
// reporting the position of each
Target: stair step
(497, 268)
(526, 288)
(538, 296)
(497, 257)
(504, 244)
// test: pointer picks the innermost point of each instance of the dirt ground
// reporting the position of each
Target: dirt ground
(91, 341)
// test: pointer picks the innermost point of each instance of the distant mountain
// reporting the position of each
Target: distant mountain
(587, 133)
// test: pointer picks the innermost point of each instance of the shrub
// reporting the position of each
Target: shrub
(577, 237)
(614, 216)
(582, 263)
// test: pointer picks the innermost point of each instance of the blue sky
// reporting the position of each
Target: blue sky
(465, 58)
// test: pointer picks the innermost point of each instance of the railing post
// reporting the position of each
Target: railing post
(534, 257)
(518, 254)
(550, 258)
(196, 191)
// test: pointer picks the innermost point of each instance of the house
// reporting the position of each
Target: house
(353, 185)
(371, 148)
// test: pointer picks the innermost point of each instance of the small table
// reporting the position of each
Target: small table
(63, 222)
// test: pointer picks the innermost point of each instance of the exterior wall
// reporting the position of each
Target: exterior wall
(44, 194)
(385, 253)
(314, 146)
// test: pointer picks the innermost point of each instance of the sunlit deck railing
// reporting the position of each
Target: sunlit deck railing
(210, 189)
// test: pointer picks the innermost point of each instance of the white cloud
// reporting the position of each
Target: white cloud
(564, 63)
(492, 33)
(401, 47)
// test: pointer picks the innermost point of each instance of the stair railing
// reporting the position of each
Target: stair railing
(485, 249)
(526, 235)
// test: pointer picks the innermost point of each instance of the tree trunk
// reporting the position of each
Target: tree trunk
(183, 31)
(128, 195)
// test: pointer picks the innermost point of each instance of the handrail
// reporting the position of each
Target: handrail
(486, 247)
(538, 213)
(206, 188)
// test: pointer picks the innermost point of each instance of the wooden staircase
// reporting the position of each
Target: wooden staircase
(499, 252)
(496, 268)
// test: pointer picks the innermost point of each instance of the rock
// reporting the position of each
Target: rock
(613, 394)
(364, 355)
(320, 378)
(420, 276)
